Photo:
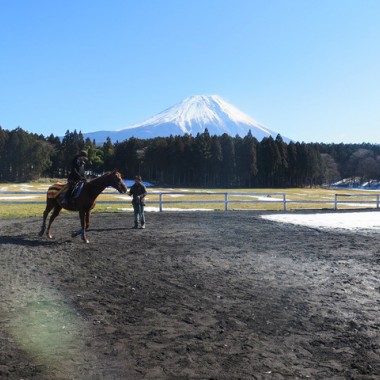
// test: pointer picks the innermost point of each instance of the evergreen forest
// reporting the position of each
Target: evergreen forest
(192, 161)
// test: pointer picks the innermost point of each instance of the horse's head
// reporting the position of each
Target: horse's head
(117, 182)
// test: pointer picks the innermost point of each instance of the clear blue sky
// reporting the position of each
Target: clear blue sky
(308, 69)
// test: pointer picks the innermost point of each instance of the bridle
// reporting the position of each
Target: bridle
(117, 183)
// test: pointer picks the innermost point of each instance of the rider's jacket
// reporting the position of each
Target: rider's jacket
(77, 169)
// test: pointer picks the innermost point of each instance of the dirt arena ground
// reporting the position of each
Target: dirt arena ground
(204, 295)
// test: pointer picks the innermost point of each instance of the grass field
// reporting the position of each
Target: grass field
(28, 199)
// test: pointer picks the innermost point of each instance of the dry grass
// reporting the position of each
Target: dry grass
(24, 200)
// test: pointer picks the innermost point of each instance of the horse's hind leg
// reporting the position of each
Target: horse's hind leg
(88, 215)
(49, 207)
(57, 210)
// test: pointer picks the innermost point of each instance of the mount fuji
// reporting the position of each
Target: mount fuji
(193, 115)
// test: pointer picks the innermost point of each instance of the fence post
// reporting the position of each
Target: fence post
(284, 200)
(160, 200)
(225, 201)
(336, 202)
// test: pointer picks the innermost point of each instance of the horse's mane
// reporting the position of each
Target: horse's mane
(106, 174)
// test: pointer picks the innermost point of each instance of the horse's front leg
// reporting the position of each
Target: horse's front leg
(85, 223)
(82, 216)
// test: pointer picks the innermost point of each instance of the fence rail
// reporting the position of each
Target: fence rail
(225, 199)
(376, 201)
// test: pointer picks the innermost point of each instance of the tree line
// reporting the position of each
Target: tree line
(193, 161)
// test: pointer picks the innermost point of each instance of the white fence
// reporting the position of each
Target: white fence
(228, 198)
(225, 199)
(372, 200)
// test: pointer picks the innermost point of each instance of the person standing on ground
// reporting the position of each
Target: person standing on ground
(138, 192)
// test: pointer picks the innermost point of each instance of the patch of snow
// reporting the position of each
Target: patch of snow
(157, 209)
(350, 221)
(19, 197)
(268, 199)
(356, 205)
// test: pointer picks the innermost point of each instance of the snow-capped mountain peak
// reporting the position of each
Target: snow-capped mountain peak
(196, 113)
(192, 116)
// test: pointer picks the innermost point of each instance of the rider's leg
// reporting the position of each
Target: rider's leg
(69, 192)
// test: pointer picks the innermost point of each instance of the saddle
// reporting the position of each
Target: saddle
(60, 190)
(77, 190)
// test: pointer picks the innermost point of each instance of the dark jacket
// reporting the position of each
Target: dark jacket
(77, 169)
(138, 192)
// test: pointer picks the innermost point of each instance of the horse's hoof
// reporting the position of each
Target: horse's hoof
(42, 230)
(76, 233)
(50, 236)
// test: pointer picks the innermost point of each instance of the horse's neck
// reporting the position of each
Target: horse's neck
(97, 185)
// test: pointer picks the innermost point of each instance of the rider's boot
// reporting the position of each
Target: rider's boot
(65, 200)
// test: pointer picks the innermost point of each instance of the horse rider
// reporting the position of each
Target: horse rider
(76, 175)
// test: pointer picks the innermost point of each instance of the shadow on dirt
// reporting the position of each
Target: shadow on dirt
(107, 229)
(24, 241)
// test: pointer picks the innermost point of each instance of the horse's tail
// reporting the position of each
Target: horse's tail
(56, 189)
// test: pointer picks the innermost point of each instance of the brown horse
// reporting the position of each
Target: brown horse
(84, 203)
